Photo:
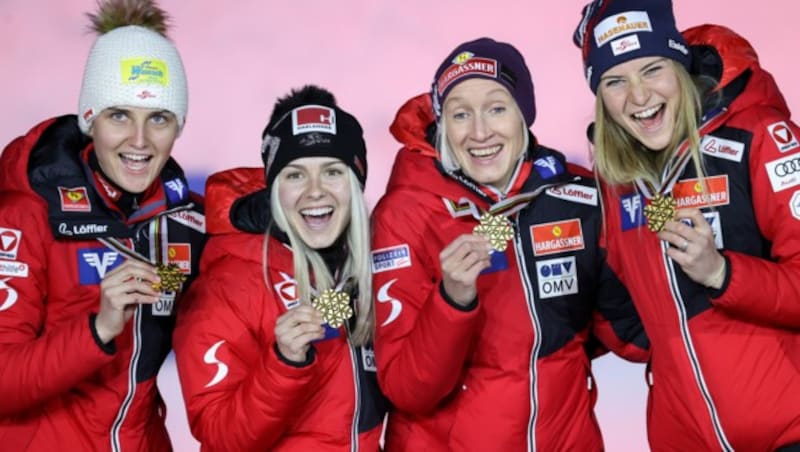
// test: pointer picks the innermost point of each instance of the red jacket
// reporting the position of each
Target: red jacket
(58, 387)
(512, 373)
(725, 364)
(240, 394)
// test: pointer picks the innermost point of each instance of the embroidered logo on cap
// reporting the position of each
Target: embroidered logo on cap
(620, 25)
(469, 65)
(313, 118)
(625, 44)
(150, 71)
(557, 237)
(74, 199)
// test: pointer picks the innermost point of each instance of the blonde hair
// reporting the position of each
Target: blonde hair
(621, 159)
(357, 264)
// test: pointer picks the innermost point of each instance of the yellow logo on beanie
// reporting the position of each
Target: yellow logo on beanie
(148, 71)
(463, 57)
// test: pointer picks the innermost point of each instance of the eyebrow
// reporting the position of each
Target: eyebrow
(643, 68)
(491, 92)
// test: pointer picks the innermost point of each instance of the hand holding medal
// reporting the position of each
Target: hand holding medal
(660, 210)
(497, 229)
(334, 307)
(171, 278)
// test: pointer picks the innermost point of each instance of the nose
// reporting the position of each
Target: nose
(138, 135)
(315, 190)
(639, 93)
(480, 129)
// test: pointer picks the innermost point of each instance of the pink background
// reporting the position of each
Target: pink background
(240, 55)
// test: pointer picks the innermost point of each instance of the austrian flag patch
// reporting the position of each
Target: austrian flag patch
(557, 237)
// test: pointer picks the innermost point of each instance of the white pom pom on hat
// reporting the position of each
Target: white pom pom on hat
(132, 66)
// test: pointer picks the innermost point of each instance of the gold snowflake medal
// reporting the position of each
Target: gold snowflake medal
(660, 210)
(334, 307)
(497, 229)
(171, 278)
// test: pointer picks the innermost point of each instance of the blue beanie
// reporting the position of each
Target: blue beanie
(615, 31)
(490, 59)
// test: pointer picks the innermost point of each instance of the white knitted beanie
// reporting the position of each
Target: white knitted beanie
(132, 66)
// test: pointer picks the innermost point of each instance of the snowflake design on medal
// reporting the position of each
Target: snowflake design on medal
(660, 210)
(171, 278)
(497, 229)
(334, 307)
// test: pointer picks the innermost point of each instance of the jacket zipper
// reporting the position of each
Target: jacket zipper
(357, 388)
(690, 350)
(537, 343)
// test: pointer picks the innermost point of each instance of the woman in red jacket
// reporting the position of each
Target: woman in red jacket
(274, 347)
(488, 271)
(98, 233)
(699, 156)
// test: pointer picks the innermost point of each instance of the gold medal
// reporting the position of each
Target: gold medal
(497, 229)
(171, 278)
(334, 307)
(660, 210)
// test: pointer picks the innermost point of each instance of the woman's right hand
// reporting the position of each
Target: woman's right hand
(462, 261)
(121, 290)
(296, 329)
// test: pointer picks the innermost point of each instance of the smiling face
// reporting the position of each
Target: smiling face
(485, 130)
(643, 95)
(133, 144)
(314, 193)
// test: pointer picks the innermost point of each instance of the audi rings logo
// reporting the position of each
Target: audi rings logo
(787, 167)
(784, 173)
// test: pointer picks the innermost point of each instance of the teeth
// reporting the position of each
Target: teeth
(136, 157)
(317, 211)
(647, 113)
(485, 151)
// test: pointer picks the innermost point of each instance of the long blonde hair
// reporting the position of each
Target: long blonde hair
(620, 158)
(357, 264)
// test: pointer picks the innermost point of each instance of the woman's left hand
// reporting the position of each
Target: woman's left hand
(693, 247)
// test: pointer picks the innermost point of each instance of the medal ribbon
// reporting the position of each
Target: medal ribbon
(677, 165)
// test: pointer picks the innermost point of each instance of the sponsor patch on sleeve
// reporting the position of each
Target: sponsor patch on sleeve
(689, 192)
(557, 237)
(557, 277)
(794, 205)
(176, 191)
(722, 148)
(14, 269)
(9, 243)
(94, 263)
(180, 254)
(190, 219)
(631, 211)
(74, 199)
(782, 136)
(575, 193)
(784, 173)
(391, 258)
